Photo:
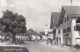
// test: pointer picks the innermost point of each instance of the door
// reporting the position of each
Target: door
(66, 39)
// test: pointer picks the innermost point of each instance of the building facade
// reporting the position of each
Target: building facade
(65, 30)
(54, 25)
(46, 29)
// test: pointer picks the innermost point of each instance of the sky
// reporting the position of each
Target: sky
(36, 12)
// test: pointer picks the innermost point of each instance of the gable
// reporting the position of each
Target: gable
(71, 11)
(54, 19)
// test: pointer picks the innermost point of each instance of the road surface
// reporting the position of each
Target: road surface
(40, 47)
(37, 47)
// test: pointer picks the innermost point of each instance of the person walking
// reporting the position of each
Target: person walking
(49, 38)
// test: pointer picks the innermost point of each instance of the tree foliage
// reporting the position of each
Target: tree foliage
(12, 23)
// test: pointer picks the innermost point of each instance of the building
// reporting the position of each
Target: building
(22, 37)
(54, 24)
(65, 25)
(46, 29)
(48, 33)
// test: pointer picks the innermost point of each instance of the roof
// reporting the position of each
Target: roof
(72, 11)
(32, 32)
(54, 19)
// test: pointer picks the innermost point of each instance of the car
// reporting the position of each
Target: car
(77, 41)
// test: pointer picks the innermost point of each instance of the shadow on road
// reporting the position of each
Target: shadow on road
(77, 47)
(13, 49)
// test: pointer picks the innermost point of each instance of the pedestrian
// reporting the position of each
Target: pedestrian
(49, 38)
(41, 37)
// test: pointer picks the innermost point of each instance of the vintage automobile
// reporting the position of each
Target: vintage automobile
(77, 43)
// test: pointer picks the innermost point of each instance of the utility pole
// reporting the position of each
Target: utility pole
(71, 1)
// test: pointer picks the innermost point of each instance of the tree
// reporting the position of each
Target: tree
(12, 24)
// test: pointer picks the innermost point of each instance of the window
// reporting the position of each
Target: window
(67, 35)
(59, 31)
(78, 20)
(77, 28)
(68, 29)
(64, 30)
(54, 31)
(67, 18)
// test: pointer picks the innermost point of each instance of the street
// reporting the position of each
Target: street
(41, 47)
(34, 46)
(39, 25)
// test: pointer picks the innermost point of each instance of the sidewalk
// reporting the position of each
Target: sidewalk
(56, 46)
(8, 44)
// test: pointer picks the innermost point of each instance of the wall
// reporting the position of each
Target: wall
(62, 26)
(75, 34)
(22, 37)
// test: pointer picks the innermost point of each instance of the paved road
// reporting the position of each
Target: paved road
(13, 49)
(40, 47)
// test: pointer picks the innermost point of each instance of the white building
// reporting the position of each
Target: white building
(22, 37)
(64, 25)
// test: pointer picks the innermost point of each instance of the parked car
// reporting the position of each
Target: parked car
(77, 43)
